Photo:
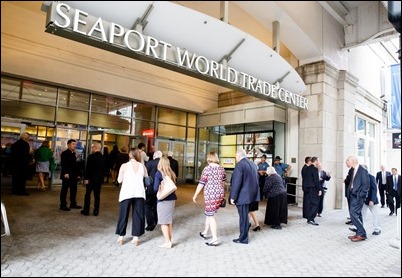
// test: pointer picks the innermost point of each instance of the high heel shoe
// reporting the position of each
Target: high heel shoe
(203, 236)
(136, 242)
(212, 243)
(166, 245)
(256, 229)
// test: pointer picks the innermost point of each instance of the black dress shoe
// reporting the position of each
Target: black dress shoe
(76, 207)
(150, 228)
(349, 222)
(238, 241)
(391, 213)
(277, 227)
(256, 229)
(376, 233)
(96, 213)
(83, 212)
(312, 223)
(353, 229)
(65, 208)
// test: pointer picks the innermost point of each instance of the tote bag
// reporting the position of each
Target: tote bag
(166, 188)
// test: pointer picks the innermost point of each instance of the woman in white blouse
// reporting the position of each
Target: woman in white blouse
(132, 194)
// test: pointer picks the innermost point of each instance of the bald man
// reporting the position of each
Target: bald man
(93, 179)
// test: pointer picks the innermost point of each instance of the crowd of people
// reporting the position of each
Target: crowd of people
(250, 184)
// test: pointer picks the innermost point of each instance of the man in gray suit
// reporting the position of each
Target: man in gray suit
(358, 188)
(244, 191)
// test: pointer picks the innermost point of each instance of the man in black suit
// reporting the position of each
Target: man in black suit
(358, 190)
(312, 191)
(151, 201)
(20, 161)
(174, 164)
(93, 179)
(394, 191)
(306, 204)
(346, 182)
(244, 191)
(381, 180)
(69, 175)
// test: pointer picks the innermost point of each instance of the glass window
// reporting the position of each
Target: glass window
(192, 119)
(70, 116)
(172, 131)
(114, 123)
(25, 110)
(144, 128)
(371, 130)
(144, 111)
(360, 148)
(191, 134)
(167, 115)
(72, 99)
(34, 92)
(361, 125)
(10, 88)
(111, 105)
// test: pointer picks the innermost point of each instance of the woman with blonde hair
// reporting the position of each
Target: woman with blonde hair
(165, 207)
(212, 180)
(44, 163)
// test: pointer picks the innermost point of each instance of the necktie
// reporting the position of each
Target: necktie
(395, 185)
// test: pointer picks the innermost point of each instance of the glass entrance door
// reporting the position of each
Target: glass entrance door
(178, 148)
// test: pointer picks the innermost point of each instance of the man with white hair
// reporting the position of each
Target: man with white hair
(20, 161)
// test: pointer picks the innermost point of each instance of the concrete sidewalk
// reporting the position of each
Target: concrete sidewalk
(46, 241)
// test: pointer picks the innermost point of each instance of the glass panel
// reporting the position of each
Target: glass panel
(19, 109)
(192, 119)
(144, 128)
(10, 88)
(34, 92)
(111, 105)
(167, 115)
(70, 116)
(360, 125)
(144, 111)
(231, 129)
(189, 163)
(203, 134)
(191, 134)
(371, 131)
(172, 131)
(111, 123)
(259, 126)
(72, 99)
(360, 149)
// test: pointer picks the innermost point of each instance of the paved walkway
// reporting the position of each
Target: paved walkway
(46, 241)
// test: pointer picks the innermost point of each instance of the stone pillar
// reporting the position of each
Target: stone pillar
(327, 128)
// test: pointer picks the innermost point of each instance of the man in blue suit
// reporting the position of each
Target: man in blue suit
(381, 180)
(358, 189)
(244, 191)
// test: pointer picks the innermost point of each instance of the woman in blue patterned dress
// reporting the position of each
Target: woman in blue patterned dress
(212, 179)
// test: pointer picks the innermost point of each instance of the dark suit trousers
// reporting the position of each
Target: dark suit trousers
(65, 185)
(313, 200)
(96, 188)
(151, 213)
(356, 205)
(138, 216)
(383, 195)
(321, 202)
(391, 195)
(243, 211)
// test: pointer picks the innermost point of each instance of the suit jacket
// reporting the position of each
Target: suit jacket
(95, 169)
(378, 179)
(69, 165)
(390, 184)
(360, 183)
(347, 181)
(372, 193)
(244, 184)
(174, 164)
(311, 179)
(303, 172)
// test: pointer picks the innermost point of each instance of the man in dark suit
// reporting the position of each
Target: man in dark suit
(20, 161)
(151, 201)
(93, 179)
(69, 175)
(346, 182)
(358, 190)
(312, 191)
(394, 191)
(174, 164)
(306, 204)
(244, 191)
(381, 180)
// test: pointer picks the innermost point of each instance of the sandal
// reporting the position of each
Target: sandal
(212, 243)
(203, 236)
